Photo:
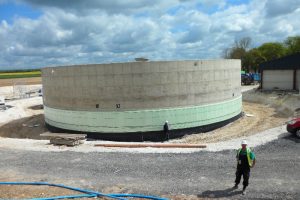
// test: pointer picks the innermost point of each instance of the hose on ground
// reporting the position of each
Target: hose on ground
(87, 193)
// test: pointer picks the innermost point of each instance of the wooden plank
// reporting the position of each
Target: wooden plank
(155, 145)
(64, 135)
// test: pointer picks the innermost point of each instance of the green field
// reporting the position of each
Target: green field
(21, 74)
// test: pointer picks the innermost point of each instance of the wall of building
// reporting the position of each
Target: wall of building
(297, 79)
(278, 79)
(140, 96)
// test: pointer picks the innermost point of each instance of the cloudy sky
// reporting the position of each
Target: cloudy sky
(39, 33)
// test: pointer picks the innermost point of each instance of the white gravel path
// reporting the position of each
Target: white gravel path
(43, 145)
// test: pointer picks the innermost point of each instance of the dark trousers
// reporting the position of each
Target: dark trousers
(246, 174)
(166, 135)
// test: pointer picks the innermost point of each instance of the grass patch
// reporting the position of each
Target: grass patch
(29, 74)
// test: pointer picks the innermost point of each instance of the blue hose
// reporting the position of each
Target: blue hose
(87, 193)
(66, 197)
(138, 196)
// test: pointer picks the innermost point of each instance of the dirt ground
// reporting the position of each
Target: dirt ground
(24, 81)
(257, 118)
(26, 192)
(29, 127)
(30, 191)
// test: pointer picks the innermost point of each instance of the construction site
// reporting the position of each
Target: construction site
(132, 101)
(100, 127)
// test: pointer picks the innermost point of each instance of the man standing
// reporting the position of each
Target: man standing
(166, 130)
(245, 160)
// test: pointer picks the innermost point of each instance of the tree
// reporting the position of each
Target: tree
(243, 43)
(252, 59)
(263, 53)
(292, 44)
(272, 50)
(239, 49)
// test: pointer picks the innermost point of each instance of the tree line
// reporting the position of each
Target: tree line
(252, 57)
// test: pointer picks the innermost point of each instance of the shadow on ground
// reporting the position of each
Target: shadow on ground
(292, 137)
(37, 107)
(28, 127)
(219, 193)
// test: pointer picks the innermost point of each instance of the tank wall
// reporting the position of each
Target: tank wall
(141, 85)
(143, 120)
(141, 96)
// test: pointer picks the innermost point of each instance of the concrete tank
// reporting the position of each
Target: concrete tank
(133, 100)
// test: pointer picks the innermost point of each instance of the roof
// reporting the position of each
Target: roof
(287, 62)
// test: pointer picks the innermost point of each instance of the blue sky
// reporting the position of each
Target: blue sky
(10, 10)
(39, 33)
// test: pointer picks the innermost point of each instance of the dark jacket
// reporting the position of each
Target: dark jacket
(166, 127)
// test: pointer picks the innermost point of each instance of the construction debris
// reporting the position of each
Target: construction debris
(65, 138)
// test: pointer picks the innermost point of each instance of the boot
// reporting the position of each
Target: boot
(244, 190)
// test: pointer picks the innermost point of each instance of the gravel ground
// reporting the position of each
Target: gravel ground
(201, 174)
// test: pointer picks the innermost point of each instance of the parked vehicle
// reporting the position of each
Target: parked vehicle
(293, 126)
(247, 79)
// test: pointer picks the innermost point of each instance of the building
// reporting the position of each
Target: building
(282, 73)
(132, 101)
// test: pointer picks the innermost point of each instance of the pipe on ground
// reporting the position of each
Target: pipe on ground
(143, 145)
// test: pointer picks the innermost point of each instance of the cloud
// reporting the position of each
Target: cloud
(110, 7)
(276, 8)
(115, 31)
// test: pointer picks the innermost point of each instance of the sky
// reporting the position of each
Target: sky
(40, 33)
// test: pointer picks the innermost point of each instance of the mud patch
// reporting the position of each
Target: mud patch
(36, 107)
(28, 127)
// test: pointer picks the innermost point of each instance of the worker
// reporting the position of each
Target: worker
(245, 160)
(166, 130)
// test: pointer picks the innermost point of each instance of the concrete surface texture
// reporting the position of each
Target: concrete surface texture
(140, 96)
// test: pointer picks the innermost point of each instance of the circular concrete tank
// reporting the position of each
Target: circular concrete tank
(133, 100)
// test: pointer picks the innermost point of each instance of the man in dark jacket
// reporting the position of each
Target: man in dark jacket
(245, 160)
(166, 130)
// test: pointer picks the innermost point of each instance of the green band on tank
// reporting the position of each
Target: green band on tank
(143, 120)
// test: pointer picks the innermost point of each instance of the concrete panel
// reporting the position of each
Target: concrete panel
(278, 79)
(138, 86)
